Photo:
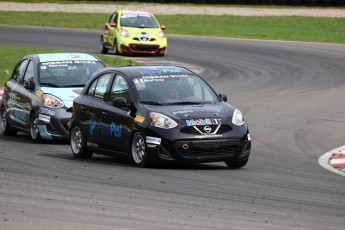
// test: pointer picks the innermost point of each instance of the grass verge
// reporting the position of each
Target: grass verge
(13, 54)
(293, 28)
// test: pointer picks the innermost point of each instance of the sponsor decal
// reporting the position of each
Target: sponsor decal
(151, 146)
(153, 140)
(139, 118)
(44, 118)
(182, 111)
(204, 121)
(91, 144)
(47, 111)
(65, 63)
(104, 129)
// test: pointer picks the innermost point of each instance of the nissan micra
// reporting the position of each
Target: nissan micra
(157, 113)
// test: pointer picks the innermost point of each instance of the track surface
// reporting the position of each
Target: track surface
(292, 96)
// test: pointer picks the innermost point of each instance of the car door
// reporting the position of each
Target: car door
(90, 107)
(15, 91)
(111, 29)
(118, 122)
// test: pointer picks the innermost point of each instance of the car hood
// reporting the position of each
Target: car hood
(136, 32)
(194, 111)
(67, 95)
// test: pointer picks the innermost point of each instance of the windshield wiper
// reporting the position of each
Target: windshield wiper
(151, 102)
(50, 84)
(75, 85)
(186, 103)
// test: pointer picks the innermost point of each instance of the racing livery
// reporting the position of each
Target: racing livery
(157, 113)
(133, 32)
(38, 96)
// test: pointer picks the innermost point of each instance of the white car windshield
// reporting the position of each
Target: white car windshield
(174, 90)
(67, 73)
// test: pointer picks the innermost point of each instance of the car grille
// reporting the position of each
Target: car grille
(207, 149)
(194, 129)
(144, 39)
(141, 47)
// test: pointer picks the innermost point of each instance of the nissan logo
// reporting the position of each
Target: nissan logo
(207, 129)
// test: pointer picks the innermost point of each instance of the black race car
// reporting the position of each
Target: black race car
(38, 96)
(157, 113)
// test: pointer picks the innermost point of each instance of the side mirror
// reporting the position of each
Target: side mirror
(120, 102)
(113, 24)
(163, 27)
(28, 85)
(223, 97)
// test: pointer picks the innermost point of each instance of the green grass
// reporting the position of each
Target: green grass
(310, 29)
(13, 54)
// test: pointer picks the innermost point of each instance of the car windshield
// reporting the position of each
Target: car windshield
(174, 90)
(67, 73)
(138, 20)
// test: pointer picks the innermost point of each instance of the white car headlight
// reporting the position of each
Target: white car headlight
(52, 101)
(124, 33)
(162, 121)
(161, 34)
(237, 118)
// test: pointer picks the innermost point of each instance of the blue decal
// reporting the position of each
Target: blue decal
(102, 128)
(206, 121)
(93, 123)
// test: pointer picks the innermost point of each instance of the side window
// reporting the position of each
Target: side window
(112, 18)
(119, 89)
(29, 74)
(92, 88)
(19, 72)
(101, 86)
(198, 90)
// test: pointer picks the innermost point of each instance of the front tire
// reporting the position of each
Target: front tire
(138, 151)
(78, 145)
(34, 131)
(5, 127)
(236, 164)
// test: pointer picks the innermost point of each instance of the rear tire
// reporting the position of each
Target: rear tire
(34, 131)
(236, 164)
(5, 127)
(78, 144)
(104, 50)
(138, 151)
(116, 50)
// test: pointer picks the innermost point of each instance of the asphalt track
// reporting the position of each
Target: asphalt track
(292, 96)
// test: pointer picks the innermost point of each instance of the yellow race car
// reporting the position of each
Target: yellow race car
(133, 32)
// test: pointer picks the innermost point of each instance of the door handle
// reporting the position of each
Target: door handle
(82, 107)
(104, 113)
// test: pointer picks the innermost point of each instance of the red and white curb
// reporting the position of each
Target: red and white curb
(334, 160)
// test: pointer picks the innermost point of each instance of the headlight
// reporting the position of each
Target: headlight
(124, 33)
(237, 118)
(162, 121)
(161, 34)
(52, 101)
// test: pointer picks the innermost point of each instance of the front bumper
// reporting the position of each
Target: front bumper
(130, 46)
(192, 149)
(53, 123)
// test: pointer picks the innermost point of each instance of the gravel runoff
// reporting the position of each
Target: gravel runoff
(169, 9)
